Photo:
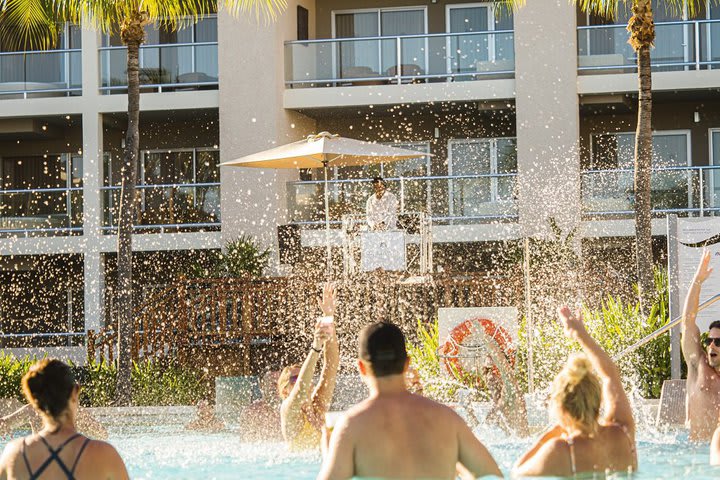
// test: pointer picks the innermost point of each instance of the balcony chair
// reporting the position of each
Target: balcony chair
(407, 70)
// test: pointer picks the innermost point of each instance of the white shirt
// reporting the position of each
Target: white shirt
(382, 210)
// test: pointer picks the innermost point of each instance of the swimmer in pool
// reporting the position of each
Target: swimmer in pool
(395, 433)
(582, 440)
(304, 405)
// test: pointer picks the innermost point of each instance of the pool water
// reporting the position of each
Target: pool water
(182, 455)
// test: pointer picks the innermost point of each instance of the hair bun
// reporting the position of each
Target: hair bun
(577, 368)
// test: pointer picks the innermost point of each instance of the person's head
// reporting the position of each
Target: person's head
(204, 409)
(50, 387)
(287, 379)
(381, 350)
(577, 394)
(379, 186)
(712, 344)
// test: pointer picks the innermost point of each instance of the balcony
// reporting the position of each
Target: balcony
(681, 45)
(163, 68)
(448, 199)
(35, 74)
(399, 60)
(686, 191)
(184, 207)
(41, 211)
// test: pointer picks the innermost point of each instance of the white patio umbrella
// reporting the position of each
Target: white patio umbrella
(324, 150)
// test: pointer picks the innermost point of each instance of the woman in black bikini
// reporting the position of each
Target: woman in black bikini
(582, 441)
(58, 451)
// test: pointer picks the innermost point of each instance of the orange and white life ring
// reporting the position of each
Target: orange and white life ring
(475, 332)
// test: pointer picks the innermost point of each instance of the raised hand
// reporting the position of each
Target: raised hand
(328, 300)
(323, 331)
(572, 323)
(703, 270)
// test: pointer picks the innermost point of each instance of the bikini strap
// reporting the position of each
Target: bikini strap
(77, 459)
(24, 454)
(571, 446)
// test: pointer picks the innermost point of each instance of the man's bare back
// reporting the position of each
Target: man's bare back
(405, 436)
(703, 361)
(394, 433)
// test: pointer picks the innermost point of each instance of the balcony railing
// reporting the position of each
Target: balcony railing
(40, 73)
(399, 59)
(46, 211)
(448, 199)
(168, 67)
(690, 191)
(682, 45)
(183, 207)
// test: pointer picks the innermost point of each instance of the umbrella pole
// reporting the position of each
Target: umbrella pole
(327, 222)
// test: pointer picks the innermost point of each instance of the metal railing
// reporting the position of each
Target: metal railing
(166, 67)
(41, 210)
(680, 45)
(40, 73)
(454, 198)
(42, 339)
(399, 59)
(682, 190)
(167, 207)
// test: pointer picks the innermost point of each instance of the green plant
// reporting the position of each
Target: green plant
(11, 372)
(244, 256)
(615, 325)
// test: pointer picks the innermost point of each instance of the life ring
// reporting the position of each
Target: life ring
(474, 332)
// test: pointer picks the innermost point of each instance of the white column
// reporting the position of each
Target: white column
(548, 123)
(92, 181)
(252, 118)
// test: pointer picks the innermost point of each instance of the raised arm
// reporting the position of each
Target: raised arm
(322, 396)
(691, 346)
(616, 405)
(291, 410)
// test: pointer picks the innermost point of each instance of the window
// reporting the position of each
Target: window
(303, 23)
(379, 57)
(467, 51)
(495, 161)
(609, 189)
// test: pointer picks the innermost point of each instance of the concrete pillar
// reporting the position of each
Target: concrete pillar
(92, 181)
(547, 115)
(252, 119)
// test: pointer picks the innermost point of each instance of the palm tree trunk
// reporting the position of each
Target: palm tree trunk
(642, 38)
(132, 35)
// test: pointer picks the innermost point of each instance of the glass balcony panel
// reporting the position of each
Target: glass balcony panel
(444, 198)
(374, 61)
(184, 207)
(54, 210)
(43, 73)
(710, 43)
(160, 65)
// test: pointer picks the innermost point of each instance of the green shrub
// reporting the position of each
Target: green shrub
(158, 384)
(615, 325)
(11, 372)
(242, 257)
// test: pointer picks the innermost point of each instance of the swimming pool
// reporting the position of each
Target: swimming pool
(166, 454)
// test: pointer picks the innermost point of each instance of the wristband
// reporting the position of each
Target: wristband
(325, 319)
(315, 349)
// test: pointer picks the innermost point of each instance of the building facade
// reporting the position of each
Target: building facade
(529, 116)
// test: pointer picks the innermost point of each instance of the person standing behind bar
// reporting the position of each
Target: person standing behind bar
(381, 208)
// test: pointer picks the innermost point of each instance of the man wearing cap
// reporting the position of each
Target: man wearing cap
(381, 208)
(394, 433)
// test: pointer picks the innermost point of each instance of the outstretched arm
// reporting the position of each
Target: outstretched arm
(616, 405)
(691, 347)
(291, 411)
(339, 462)
(322, 396)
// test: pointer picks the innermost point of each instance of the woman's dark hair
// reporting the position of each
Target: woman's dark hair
(48, 386)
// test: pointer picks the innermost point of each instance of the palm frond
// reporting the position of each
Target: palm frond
(29, 25)
(262, 9)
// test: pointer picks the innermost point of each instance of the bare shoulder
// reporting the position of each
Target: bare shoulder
(102, 449)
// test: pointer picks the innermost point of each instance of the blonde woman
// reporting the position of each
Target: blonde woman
(582, 441)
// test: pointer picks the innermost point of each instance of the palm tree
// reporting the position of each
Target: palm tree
(33, 23)
(642, 39)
